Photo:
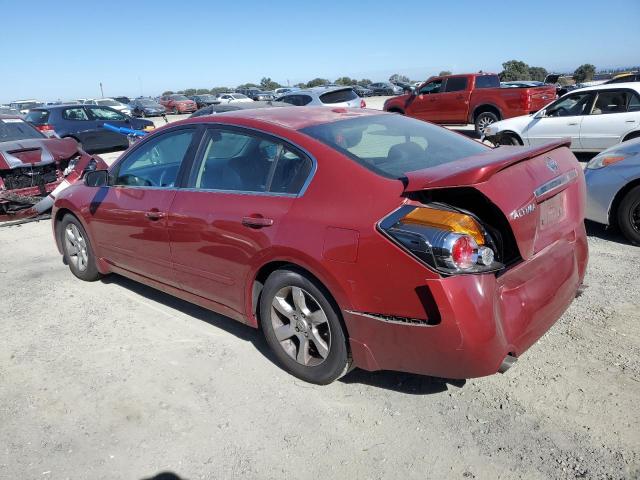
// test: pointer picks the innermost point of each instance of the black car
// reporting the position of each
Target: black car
(205, 100)
(85, 124)
(362, 91)
(256, 94)
(146, 107)
(231, 107)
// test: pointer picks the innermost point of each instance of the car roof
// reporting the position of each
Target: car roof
(631, 85)
(5, 115)
(317, 90)
(294, 118)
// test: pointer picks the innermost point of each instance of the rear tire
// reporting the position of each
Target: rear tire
(303, 328)
(77, 250)
(175, 111)
(483, 120)
(629, 215)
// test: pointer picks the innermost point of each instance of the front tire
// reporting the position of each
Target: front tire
(78, 253)
(629, 215)
(303, 328)
(483, 120)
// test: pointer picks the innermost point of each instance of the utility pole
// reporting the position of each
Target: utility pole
(101, 91)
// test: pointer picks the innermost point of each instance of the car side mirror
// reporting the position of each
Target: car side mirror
(96, 178)
(540, 114)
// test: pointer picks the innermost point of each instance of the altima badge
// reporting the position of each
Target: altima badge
(552, 164)
(521, 212)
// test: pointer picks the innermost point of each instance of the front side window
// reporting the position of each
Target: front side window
(571, 105)
(107, 114)
(156, 162)
(235, 161)
(74, 114)
(392, 145)
(431, 87)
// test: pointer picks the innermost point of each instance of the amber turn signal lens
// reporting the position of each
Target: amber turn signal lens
(446, 220)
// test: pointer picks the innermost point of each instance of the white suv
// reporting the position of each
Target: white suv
(595, 118)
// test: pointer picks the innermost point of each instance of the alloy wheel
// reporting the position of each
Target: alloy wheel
(301, 326)
(635, 217)
(484, 122)
(76, 247)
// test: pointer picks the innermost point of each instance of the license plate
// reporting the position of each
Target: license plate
(552, 211)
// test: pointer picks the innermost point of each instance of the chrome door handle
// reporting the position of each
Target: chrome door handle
(257, 222)
(572, 123)
(154, 215)
(629, 121)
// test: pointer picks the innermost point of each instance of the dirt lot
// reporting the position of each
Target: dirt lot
(114, 380)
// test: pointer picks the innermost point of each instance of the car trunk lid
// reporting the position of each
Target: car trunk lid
(539, 190)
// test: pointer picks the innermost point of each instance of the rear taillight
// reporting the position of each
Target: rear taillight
(446, 239)
(363, 104)
(44, 128)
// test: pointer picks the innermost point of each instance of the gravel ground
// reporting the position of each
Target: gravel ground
(112, 380)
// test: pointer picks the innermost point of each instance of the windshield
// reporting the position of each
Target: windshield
(147, 103)
(108, 103)
(178, 97)
(392, 145)
(16, 129)
(206, 98)
(239, 96)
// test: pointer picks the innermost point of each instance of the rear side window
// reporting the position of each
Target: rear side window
(455, 84)
(235, 161)
(37, 116)
(338, 96)
(392, 145)
(487, 81)
(634, 103)
(74, 114)
(615, 101)
(16, 129)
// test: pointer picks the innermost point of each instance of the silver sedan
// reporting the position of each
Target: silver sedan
(613, 188)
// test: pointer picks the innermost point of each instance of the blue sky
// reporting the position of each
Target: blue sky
(62, 50)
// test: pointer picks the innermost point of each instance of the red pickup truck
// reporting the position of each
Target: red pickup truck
(470, 98)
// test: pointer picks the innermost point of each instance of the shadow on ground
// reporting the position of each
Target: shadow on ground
(165, 476)
(400, 382)
(605, 233)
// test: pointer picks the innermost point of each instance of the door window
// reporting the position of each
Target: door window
(234, 161)
(431, 87)
(634, 103)
(615, 101)
(571, 105)
(455, 84)
(107, 114)
(74, 114)
(156, 162)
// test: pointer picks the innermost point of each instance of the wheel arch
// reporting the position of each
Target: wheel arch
(617, 199)
(631, 135)
(515, 134)
(485, 107)
(335, 295)
(396, 110)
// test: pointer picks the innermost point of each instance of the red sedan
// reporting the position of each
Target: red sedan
(178, 104)
(351, 237)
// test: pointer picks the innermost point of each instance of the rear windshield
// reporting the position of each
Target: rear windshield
(338, 96)
(392, 145)
(16, 129)
(108, 103)
(487, 81)
(37, 116)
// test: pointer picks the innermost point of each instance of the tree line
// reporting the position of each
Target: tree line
(512, 70)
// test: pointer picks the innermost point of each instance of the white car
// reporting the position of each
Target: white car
(233, 98)
(324, 97)
(594, 118)
(109, 102)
